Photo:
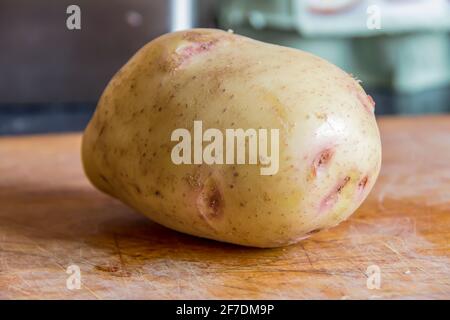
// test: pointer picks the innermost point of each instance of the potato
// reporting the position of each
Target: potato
(327, 160)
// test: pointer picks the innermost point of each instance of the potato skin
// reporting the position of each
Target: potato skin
(330, 151)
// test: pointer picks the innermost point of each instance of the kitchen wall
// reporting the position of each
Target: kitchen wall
(42, 61)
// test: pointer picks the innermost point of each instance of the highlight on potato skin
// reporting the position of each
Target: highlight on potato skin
(329, 144)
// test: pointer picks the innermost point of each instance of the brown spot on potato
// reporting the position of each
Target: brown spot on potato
(363, 182)
(102, 130)
(104, 178)
(342, 184)
(214, 200)
(135, 187)
(321, 161)
(210, 201)
(321, 116)
(185, 53)
(313, 232)
(332, 197)
(192, 180)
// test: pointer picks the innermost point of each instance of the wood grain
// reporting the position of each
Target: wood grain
(51, 217)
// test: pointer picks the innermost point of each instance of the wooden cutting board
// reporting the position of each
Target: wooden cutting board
(52, 218)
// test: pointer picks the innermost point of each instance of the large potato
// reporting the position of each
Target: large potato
(329, 145)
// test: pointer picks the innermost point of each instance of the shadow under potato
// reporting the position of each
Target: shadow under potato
(80, 225)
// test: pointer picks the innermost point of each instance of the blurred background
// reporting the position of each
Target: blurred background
(51, 77)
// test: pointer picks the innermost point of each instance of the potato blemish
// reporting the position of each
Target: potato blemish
(185, 52)
(361, 186)
(210, 200)
(366, 101)
(371, 101)
(313, 232)
(332, 197)
(321, 161)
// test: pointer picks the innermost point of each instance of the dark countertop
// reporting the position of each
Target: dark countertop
(44, 117)
(69, 117)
